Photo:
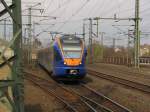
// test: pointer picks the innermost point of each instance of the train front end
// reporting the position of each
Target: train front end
(69, 58)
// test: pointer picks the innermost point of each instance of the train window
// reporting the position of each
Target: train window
(71, 46)
(72, 50)
(72, 54)
(57, 56)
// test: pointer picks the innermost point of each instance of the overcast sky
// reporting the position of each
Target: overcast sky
(70, 14)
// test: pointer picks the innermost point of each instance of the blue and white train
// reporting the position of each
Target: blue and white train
(65, 58)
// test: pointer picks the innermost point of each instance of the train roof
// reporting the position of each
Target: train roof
(69, 36)
(70, 39)
(74, 37)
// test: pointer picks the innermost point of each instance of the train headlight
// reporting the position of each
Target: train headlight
(65, 63)
(80, 63)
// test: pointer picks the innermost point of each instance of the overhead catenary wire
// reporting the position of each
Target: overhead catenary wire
(61, 6)
(103, 5)
(76, 12)
(94, 7)
(101, 9)
(54, 25)
(114, 7)
(49, 5)
(111, 9)
(71, 16)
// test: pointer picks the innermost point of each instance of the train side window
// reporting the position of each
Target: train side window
(57, 56)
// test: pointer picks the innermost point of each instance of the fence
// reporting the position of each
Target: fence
(118, 60)
(145, 60)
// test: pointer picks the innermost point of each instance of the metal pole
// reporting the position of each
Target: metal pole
(30, 34)
(75, 34)
(5, 29)
(97, 27)
(128, 46)
(137, 35)
(114, 43)
(102, 45)
(90, 41)
(83, 31)
(34, 35)
(17, 73)
(135, 62)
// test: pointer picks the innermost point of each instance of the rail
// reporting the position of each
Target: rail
(129, 83)
(104, 102)
(75, 101)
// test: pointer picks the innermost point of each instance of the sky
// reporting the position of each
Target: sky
(70, 14)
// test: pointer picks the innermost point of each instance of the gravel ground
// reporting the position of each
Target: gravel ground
(135, 100)
(4, 74)
(132, 99)
(123, 72)
(39, 72)
(38, 101)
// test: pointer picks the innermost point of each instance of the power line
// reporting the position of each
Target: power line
(64, 4)
(77, 11)
(132, 9)
(103, 6)
(118, 6)
(107, 12)
(94, 7)
(54, 25)
(49, 5)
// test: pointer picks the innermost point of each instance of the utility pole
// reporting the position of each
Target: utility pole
(30, 24)
(16, 99)
(114, 43)
(30, 29)
(128, 47)
(102, 45)
(17, 73)
(34, 28)
(75, 34)
(83, 31)
(137, 35)
(128, 41)
(90, 41)
(97, 21)
(5, 29)
(30, 34)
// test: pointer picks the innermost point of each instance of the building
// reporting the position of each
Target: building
(145, 50)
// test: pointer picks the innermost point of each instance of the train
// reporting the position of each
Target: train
(65, 58)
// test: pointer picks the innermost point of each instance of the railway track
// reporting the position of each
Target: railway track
(124, 71)
(73, 100)
(129, 83)
(88, 93)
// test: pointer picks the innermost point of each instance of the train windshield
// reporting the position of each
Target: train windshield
(72, 48)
